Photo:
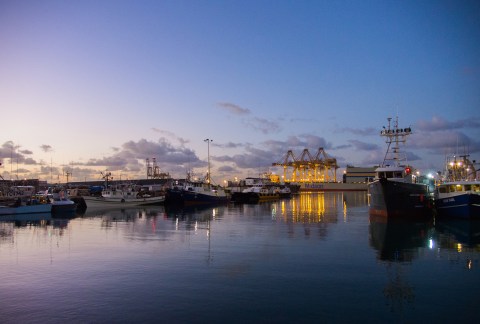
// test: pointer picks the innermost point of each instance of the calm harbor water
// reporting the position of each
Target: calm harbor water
(313, 258)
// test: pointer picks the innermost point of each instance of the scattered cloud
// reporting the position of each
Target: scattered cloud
(341, 147)
(444, 142)
(368, 131)
(171, 135)
(262, 125)
(226, 168)
(438, 124)
(228, 145)
(11, 151)
(362, 146)
(132, 155)
(234, 109)
(46, 148)
(252, 159)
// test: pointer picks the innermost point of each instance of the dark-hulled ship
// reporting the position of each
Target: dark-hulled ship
(396, 191)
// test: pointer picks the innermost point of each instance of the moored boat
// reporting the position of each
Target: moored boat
(22, 200)
(396, 191)
(31, 205)
(122, 196)
(195, 193)
(458, 195)
(61, 203)
(258, 193)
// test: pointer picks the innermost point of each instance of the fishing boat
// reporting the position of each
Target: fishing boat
(396, 190)
(458, 194)
(122, 195)
(61, 203)
(16, 200)
(196, 192)
(23, 203)
(258, 193)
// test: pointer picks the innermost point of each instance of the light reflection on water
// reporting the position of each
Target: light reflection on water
(315, 257)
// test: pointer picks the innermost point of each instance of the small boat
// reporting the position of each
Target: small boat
(22, 200)
(458, 195)
(61, 203)
(396, 190)
(122, 196)
(195, 193)
(25, 206)
(285, 192)
(257, 193)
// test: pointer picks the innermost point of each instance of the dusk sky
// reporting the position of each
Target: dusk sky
(88, 86)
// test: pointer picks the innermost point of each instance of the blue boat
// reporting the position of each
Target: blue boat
(458, 196)
(458, 199)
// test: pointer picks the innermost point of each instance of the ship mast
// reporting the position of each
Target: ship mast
(208, 155)
(395, 136)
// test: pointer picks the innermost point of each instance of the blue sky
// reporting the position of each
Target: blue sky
(89, 86)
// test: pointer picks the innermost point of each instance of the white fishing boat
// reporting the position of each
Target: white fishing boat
(122, 196)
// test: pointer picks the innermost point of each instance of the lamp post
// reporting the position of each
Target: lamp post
(208, 155)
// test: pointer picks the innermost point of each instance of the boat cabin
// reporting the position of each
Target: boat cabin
(401, 174)
(459, 187)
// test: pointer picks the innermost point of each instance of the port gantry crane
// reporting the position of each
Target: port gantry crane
(308, 168)
(153, 170)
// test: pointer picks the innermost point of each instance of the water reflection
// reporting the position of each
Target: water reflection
(458, 231)
(318, 207)
(27, 219)
(398, 242)
(458, 240)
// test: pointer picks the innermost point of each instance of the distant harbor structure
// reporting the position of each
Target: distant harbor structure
(153, 170)
(319, 172)
(307, 167)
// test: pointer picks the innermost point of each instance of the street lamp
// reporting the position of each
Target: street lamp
(208, 155)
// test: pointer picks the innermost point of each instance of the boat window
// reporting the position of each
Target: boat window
(468, 187)
(389, 174)
(442, 189)
(398, 174)
(451, 188)
(458, 188)
(476, 188)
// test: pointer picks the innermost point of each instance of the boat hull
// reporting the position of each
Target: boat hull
(245, 197)
(465, 205)
(64, 207)
(105, 202)
(193, 198)
(255, 197)
(26, 209)
(399, 199)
